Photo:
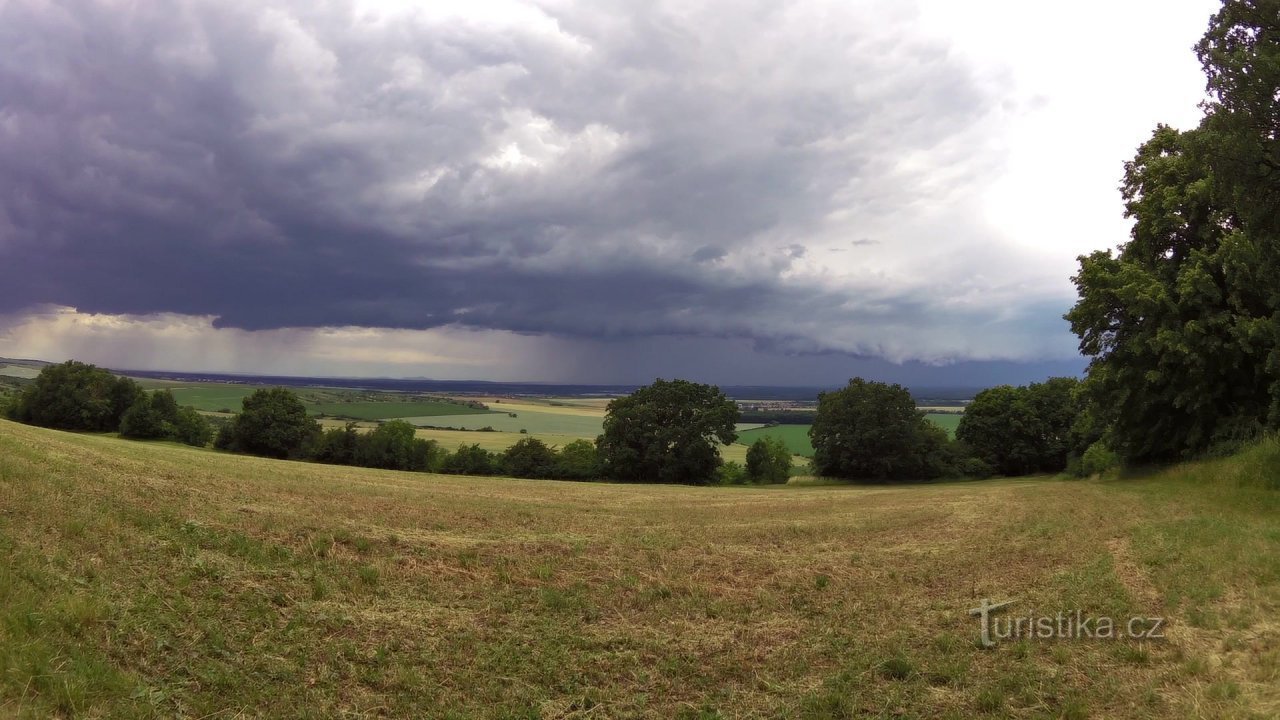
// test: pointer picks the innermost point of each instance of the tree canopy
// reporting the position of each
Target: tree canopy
(273, 423)
(1182, 322)
(667, 432)
(873, 431)
(75, 396)
(1020, 430)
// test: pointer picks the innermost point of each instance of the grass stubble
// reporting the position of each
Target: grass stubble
(151, 580)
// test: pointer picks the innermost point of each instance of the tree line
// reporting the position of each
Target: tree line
(670, 431)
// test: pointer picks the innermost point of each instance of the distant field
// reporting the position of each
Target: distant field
(19, 371)
(536, 422)
(947, 421)
(795, 437)
(392, 410)
(147, 580)
(212, 396)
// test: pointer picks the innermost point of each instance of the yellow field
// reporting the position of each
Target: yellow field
(151, 580)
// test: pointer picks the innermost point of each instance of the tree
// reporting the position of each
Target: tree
(337, 446)
(273, 423)
(392, 446)
(873, 431)
(191, 428)
(1021, 430)
(76, 396)
(578, 461)
(667, 432)
(470, 460)
(768, 461)
(529, 458)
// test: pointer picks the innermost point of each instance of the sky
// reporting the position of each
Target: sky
(756, 192)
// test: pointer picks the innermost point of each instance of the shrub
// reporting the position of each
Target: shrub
(529, 458)
(731, 473)
(470, 460)
(578, 461)
(768, 461)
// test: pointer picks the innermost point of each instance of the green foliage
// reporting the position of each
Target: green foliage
(75, 396)
(337, 446)
(731, 473)
(470, 460)
(873, 431)
(667, 432)
(1021, 430)
(768, 461)
(151, 417)
(272, 423)
(392, 446)
(1098, 459)
(1183, 323)
(578, 461)
(191, 428)
(529, 458)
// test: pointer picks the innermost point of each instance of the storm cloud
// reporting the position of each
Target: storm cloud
(582, 170)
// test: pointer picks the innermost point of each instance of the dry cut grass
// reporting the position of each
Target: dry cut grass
(149, 580)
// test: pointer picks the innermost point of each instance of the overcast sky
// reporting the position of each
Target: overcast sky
(740, 192)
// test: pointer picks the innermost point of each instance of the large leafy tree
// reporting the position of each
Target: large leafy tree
(273, 423)
(667, 432)
(1183, 321)
(873, 431)
(76, 396)
(1020, 430)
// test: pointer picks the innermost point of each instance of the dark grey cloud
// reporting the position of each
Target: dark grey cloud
(587, 170)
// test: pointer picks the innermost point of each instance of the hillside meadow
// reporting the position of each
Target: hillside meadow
(152, 580)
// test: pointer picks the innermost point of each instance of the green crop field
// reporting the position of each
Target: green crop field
(149, 580)
(795, 437)
(389, 410)
(536, 423)
(947, 421)
(211, 397)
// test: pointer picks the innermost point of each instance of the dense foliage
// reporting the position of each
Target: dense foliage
(1022, 430)
(667, 432)
(1183, 322)
(873, 431)
(768, 461)
(273, 423)
(157, 416)
(75, 396)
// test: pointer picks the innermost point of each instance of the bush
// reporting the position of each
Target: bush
(191, 428)
(529, 458)
(578, 461)
(768, 461)
(731, 473)
(470, 460)
(1098, 459)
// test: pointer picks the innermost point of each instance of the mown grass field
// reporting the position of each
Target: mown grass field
(150, 580)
